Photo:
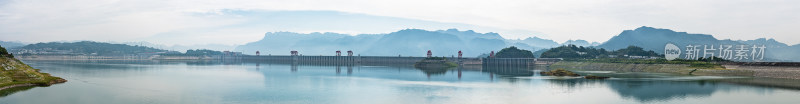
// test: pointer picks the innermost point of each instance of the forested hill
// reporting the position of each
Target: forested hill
(87, 47)
(514, 52)
(14, 73)
(581, 52)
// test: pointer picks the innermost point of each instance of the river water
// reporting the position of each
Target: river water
(193, 82)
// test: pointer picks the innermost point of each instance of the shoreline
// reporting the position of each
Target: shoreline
(766, 82)
(52, 82)
(683, 69)
(16, 85)
(768, 76)
(781, 72)
(15, 73)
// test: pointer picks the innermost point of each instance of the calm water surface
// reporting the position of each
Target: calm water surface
(122, 82)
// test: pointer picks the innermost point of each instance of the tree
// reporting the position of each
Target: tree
(514, 52)
(4, 52)
(572, 51)
(569, 51)
(201, 52)
(635, 51)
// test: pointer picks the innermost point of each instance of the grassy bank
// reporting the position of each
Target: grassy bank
(653, 65)
(435, 62)
(14, 73)
(691, 63)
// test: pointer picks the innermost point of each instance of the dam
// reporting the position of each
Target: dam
(380, 60)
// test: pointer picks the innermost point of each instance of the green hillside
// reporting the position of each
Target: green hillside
(514, 52)
(14, 73)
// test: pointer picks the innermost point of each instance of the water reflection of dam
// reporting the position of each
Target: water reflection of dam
(342, 68)
(509, 70)
(330, 60)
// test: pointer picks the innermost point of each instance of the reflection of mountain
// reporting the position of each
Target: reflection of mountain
(510, 70)
(647, 91)
(434, 71)
(572, 83)
(650, 91)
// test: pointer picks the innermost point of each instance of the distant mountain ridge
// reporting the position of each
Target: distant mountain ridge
(415, 42)
(407, 42)
(580, 43)
(181, 48)
(11, 44)
(655, 39)
(280, 43)
(85, 48)
(537, 41)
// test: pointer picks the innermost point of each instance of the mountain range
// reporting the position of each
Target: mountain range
(408, 42)
(415, 42)
(655, 39)
(11, 44)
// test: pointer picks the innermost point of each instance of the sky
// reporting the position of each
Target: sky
(231, 22)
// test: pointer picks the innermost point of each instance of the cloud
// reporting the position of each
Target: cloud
(561, 20)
